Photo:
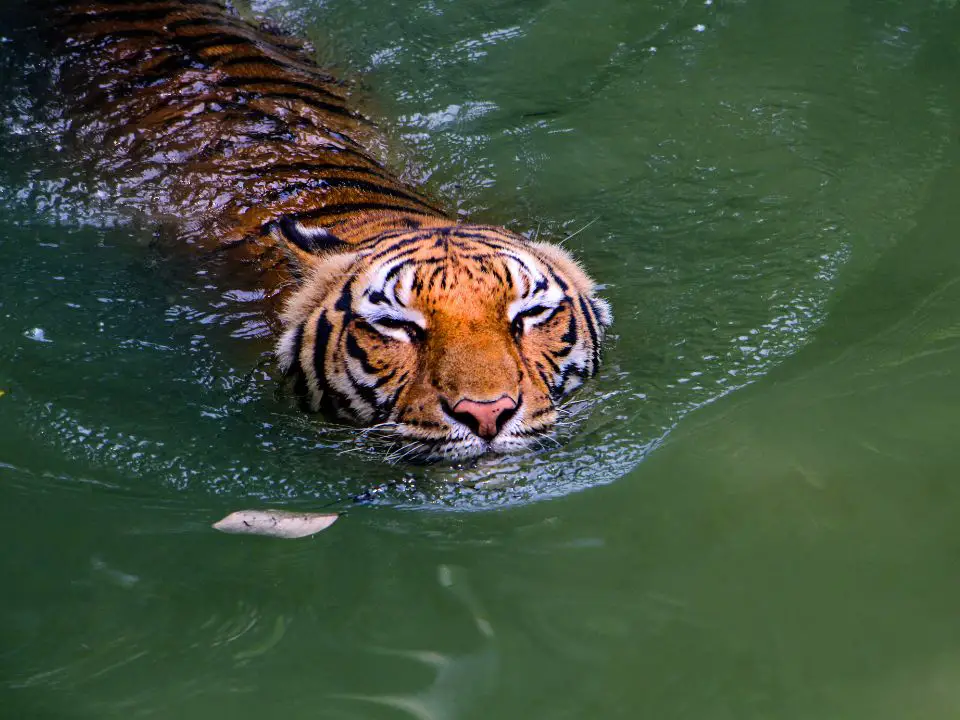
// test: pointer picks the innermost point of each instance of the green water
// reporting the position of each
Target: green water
(756, 520)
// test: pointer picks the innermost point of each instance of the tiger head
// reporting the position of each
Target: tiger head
(455, 340)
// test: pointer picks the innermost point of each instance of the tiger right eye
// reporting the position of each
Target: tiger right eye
(413, 331)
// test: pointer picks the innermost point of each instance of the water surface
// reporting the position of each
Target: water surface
(753, 515)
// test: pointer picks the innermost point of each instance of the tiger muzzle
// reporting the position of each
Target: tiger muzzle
(485, 419)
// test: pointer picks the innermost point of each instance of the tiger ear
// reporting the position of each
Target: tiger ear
(306, 245)
(312, 239)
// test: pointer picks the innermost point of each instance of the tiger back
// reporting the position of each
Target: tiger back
(228, 128)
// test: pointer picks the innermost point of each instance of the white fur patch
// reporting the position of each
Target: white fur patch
(286, 348)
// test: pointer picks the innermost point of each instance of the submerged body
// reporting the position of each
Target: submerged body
(456, 339)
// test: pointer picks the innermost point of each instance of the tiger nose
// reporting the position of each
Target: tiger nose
(485, 419)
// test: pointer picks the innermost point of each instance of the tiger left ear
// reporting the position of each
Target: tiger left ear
(312, 239)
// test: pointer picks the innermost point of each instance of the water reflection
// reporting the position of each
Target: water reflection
(459, 681)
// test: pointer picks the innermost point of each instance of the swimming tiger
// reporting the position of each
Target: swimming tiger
(456, 339)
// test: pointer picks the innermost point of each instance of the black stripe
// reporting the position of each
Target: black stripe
(273, 62)
(572, 370)
(401, 244)
(552, 363)
(540, 413)
(591, 327)
(239, 81)
(358, 353)
(226, 107)
(394, 271)
(345, 304)
(295, 370)
(161, 72)
(509, 281)
(384, 379)
(132, 14)
(367, 186)
(348, 208)
(499, 239)
(315, 167)
(316, 241)
(433, 277)
(239, 32)
(556, 278)
(115, 34)
(310, 102)
(284, 133)
(366, 392)
(323, 331)
(569, 338)
(228, 23)
(400, 232)
(367, 395)
(547, 381)
(421, 263)
(210, 3)
(297, 347)
(205, 41)
(285, 191)
(334, 400)
(175, 61)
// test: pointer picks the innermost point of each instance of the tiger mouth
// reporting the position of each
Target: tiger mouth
(406, 447)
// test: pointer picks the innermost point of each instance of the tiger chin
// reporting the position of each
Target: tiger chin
(454, 341)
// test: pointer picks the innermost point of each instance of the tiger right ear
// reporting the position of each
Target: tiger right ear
(311, 239)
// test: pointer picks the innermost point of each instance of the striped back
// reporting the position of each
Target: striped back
(228, 128)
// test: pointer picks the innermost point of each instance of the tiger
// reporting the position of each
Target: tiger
(452, 338)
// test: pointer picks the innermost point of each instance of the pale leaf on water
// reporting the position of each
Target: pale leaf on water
(275, 523)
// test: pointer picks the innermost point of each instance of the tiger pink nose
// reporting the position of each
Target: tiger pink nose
(485, 419)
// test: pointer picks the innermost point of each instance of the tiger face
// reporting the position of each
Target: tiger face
(457, 341)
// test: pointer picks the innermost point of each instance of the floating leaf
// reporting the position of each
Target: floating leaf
(2, 393)
(275, 523)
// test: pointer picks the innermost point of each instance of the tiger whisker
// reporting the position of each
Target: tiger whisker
(547, 436)
(536, 441)
(375, 430)
(572, 403)
(577, 409)
(574, 234)
(412, 451)
(404, 451)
